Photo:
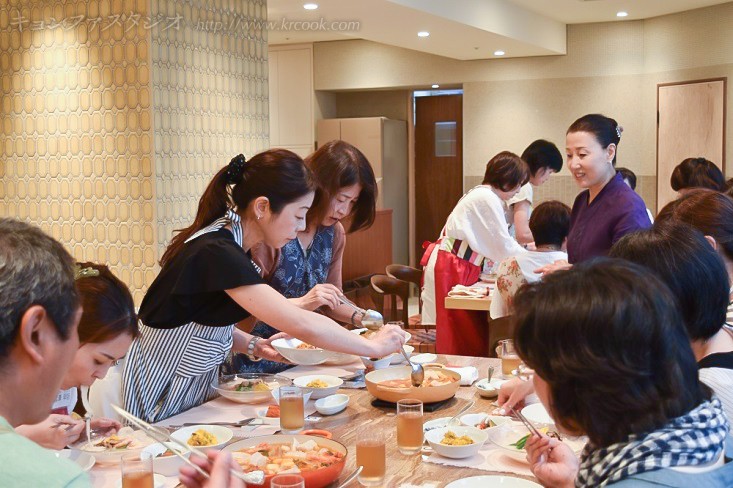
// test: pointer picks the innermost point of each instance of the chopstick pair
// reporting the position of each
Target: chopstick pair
(532, 429)
(254, 478)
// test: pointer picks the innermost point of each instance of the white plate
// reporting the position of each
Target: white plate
(492, 481)
(507, 434)
(333, 382)
(537, 414)
(222, 434)
(158, 481)
(83, 459)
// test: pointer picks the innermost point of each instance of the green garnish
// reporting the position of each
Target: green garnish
(521, 442)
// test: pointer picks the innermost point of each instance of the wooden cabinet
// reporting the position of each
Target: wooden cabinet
(384, 142)
(291, 98)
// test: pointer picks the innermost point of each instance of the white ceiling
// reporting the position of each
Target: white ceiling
(460, 29)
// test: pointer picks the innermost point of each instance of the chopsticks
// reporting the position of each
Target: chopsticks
(532, 429)
(255, 477)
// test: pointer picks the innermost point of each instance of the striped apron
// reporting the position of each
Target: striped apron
(168, 371)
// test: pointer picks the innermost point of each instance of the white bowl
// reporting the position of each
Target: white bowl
(272, 381)
(492, 480)
(489, 390)
(475, 419)
(83, 459)
(424, 358)
(398, 358)
(377, 363)
(306, 395)
(332, 404)
(222, 434)
(538, 415)
(435, 423)
(333, 382)
(169, 465)
(288, 347)
(456, 452)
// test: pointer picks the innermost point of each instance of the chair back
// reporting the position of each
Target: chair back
(386, 286)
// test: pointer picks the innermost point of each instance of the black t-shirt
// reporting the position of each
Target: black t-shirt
(190, 288)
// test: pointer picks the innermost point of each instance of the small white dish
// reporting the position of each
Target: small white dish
(476, 419)
(222, 434)
(306, 395)
(83, 459)
(168, 465)
(158, 481)
(288, 347)
(538, 415)
(424, 358)
(372, 363)
(262, 416)
(489, 390)
(333, 382)
(435, 436)
(492, 480)
(398, 358)
(332, 404)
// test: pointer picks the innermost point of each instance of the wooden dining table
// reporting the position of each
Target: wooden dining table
(360, 416)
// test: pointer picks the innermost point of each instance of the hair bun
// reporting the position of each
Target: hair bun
(236, 169)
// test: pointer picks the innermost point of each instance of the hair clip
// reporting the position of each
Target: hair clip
(619, 130)
(88, 272)
(235, 169)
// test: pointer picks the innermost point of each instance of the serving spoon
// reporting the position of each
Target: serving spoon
(417, 375)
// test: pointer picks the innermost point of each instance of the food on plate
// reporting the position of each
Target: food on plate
(286, 458)
(273, 411)
(486, 424)
(451, 439)
(432, 378)
(122, 439)
(304, 345)
(202, 438)
(166, 453)
(317, 383)
(242, 384)
(523, 441)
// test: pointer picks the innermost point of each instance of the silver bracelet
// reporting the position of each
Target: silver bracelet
(251, 349)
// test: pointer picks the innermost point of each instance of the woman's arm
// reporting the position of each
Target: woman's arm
(270, 306)
(521, 222)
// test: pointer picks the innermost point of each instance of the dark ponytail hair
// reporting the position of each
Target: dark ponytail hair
(278, 174)
(605, 129)
(338, 164)
(108, 309)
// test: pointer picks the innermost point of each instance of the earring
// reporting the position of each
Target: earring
(259, 217)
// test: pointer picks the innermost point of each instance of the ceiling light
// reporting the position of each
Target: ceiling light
(423, 34)
(622, 14)
(436, 86)
(310, 6)
(499, 53)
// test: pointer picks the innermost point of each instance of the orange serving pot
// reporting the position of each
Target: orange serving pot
(317, 478)
(428, 394)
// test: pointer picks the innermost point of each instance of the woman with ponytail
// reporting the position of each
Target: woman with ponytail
(208, 283)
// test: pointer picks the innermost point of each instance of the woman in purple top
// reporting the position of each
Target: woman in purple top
(608, 209)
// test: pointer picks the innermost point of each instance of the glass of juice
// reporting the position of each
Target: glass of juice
(372, 455)
(287, 481)
(509, 358)
(136, 472)
(409, 426)
(292, 415)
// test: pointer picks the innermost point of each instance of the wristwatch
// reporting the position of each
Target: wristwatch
(251, 349)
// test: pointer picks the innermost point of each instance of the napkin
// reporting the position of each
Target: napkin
(474, 291)
(489, 458)
(469, 374)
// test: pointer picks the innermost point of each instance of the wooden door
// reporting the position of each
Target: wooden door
(691, 123)
(438, 163)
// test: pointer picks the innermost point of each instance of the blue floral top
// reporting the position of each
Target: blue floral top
(297, 271)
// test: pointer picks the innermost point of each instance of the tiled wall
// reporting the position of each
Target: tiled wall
(75, 129)
(106, 140)
(209, 100)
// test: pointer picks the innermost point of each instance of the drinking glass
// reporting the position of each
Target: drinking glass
(136, 472)
(287, 481)
(372, 455)
(509, 358)
(409, 426)
(292, 410)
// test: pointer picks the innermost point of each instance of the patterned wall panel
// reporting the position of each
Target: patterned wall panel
(75, 128)
(210, 99)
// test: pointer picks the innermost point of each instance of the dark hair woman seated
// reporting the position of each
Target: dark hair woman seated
(617, 367)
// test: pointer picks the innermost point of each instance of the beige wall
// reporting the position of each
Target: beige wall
(612, 68)
(388, 103)
(107, 141)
